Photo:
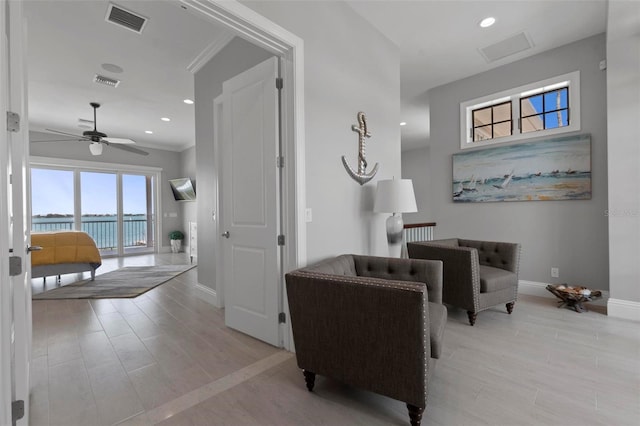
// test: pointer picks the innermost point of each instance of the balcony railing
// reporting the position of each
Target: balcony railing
(104, 232)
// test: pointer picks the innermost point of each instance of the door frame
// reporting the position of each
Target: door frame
(18, 289)
(6, 297)
(260, 31)
(217, 140)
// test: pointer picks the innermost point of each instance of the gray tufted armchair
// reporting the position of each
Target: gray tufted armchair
(477, 275)
(374, 323)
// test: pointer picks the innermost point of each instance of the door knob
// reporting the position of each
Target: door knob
(33, 248)
(226, 234)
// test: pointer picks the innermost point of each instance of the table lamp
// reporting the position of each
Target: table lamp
(395, 196)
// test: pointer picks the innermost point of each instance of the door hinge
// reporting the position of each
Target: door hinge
(13, 122)
(15, 266)
(282, 318)
(281, 240)
(279, 83)
(17, 410)
(280, 162)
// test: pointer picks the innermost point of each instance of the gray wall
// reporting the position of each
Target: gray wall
(416, 166)
(349, 67)
(168, 161)
(235, 57)
(623, 109)
(571, 235)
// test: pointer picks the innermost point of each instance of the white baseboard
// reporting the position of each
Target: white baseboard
(534, 288)
(207, 294)
(623, 309)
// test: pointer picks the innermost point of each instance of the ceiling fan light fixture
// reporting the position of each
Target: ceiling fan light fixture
(487, 22)
(95, 148)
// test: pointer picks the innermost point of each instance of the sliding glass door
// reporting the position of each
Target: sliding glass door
(99, 207)
(52, 201)
(117, 209)
(138, 218)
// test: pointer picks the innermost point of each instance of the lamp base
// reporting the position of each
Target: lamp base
(395, 225)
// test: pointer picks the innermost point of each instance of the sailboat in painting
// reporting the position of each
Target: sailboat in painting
(506, 181)
(471, 186)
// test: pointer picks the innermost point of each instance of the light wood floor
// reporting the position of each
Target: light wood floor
(167, 358)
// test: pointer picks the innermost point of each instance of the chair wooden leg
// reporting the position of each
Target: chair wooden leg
(472, 317)
(310, 379)
(415, 414)
(510, 307)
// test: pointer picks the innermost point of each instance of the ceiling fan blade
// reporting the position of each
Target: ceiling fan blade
(80, 137)
(118, 140)
(127, 148)
(60, 140)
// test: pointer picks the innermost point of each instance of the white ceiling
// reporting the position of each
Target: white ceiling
(70, 40)
(439, 42)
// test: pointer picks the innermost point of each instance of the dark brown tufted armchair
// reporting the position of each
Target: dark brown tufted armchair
(477, 275)
(374, 323)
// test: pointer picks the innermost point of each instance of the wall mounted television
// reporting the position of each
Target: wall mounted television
(183, 189)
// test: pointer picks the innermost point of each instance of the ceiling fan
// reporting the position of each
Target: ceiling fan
(97, 139)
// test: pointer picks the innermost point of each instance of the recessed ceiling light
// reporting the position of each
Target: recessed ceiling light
(487, 22)
(188, 101)
(165, 119)
(149, 132)
(404, 123)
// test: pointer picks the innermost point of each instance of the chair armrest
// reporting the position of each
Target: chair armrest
(496, 254)
(371, 333)
(412, 270)
(461, 271)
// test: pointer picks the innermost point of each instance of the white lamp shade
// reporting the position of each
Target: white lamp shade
(95, 148)
(395, 196)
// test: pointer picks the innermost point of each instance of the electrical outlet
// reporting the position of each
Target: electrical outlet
(555, 272)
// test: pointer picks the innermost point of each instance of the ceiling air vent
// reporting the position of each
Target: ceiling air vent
(125, 18)
(508, 47)
(108, 81)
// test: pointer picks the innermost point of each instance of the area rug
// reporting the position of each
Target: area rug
(131, 281)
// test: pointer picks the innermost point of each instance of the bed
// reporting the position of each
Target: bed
(64, 252)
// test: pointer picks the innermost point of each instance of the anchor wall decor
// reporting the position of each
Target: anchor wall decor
(361, 176)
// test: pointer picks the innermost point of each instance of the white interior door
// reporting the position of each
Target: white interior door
(250, 202)
(15, 292)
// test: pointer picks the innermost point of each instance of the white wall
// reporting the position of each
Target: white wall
(168, 161)
(623, 111)
(188, 209)
(349, 67)
(237, 56)
(571, 235)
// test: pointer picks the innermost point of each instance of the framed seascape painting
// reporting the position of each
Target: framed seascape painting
(552, 169)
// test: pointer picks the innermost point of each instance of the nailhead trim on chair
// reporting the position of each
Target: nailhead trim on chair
(368, 281)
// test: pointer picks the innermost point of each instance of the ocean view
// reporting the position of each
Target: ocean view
(103, 229)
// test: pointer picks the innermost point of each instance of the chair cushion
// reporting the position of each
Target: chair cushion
(340, 265)
(494, 279)
(437, 321)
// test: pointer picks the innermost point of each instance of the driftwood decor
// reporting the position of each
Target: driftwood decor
(361, 176)
(573, 297)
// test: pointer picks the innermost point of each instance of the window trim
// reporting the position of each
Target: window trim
(493, 122)
(514, 95)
